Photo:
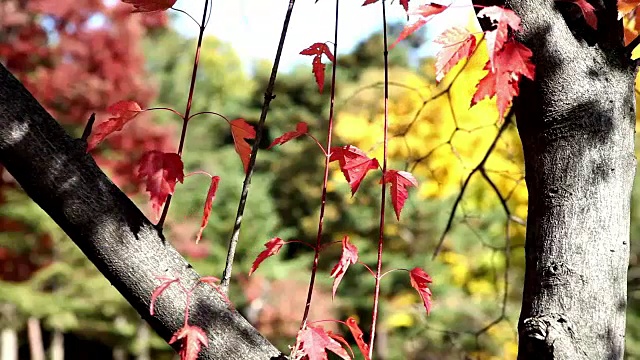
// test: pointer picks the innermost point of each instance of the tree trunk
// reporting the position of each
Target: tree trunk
(34, 331)
(56, 349)
(57, 173)
(576, 122)
(143, 337)
(8, 344)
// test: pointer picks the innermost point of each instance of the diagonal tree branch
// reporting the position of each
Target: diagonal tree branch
(57, 173)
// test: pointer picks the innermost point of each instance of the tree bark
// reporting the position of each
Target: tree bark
(57, 173)
(36, 346)
(576, 121)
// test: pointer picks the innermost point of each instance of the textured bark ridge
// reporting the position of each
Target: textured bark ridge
(576, 122)
(58, 175)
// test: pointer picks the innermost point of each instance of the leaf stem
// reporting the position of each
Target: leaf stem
(376, 296)
(316, 255)
(318, 143)
(268, 96)
(185, 118)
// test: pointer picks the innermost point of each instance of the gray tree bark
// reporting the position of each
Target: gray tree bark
(57, 173)
(577, 125)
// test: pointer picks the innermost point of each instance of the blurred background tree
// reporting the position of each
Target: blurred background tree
(79, 57)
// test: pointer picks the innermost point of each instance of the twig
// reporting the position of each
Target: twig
(268, 96)
(185, 119)
(383, 197)
(478, 168)
(87, 129)
(325, 180)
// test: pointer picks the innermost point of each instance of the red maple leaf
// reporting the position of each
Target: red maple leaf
(511, 62)
(160, 171)
(166, 282)
(458, 43)
(354, 164)
(359, 337)
(588, 11)
(300, 130)
(150, 5)
(420, 281)
(316, 50)
(211, 195)
(273, 247)
(192, 338)
(241, 131)
(123, 112)
(426, 13)
(349, 256)
(314, 343)
(504, 19)
(399, 180)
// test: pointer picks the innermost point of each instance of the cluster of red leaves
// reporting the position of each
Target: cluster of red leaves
(316, 50)
(73, 70)
(191, 337)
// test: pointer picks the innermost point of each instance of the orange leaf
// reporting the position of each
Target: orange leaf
(211, 195)
(354, 164)
(314, 343)
(420, 281)
(399, 180)
(300, 130)
(123, 112)
(273, 247)
(626, 6)
(349, 256)
(359, 337)
(458, 43)
(160, 171)
(512, 61)
(241, 131)
(192, 338)
(150, 5)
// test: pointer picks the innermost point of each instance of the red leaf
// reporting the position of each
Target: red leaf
(358, 336)
(354, 164)
(166, 282)
(405, 5)
(314, 343)
(300, 130)
(316, 50)
(420, 281)
(588, 11)
(505, 19)
(349, 256)
(192, 338)
(160, 171)
(369, 2)
(150, 5)
(241, 131)
(340, 339)
(211, 195)
(123, 112)
(511, 62)
(458, 43)
(273, 247)
(426, 12)
(399, 180)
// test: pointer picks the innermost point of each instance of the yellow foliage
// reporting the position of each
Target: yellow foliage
(433, 127)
